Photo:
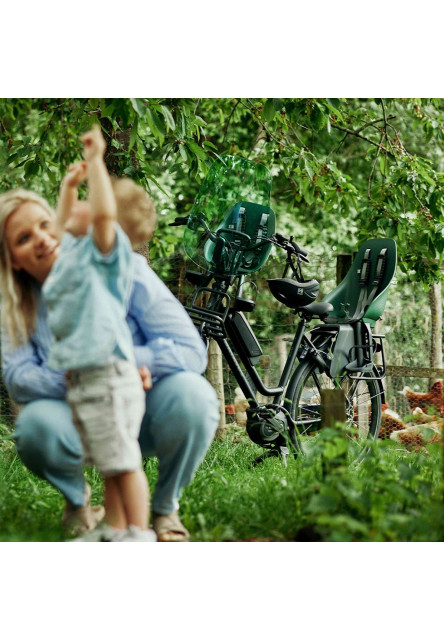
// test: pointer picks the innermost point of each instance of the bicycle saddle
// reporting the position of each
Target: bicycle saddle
(320, 309)
(292, 293)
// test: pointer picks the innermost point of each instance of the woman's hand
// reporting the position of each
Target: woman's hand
(147, 381)
(94, 145)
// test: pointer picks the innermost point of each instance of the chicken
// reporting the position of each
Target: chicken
(240, 405)
(433, 398)
(426, 429)
(422, 417)
(416, 436)
(411, 437)
(390, 422)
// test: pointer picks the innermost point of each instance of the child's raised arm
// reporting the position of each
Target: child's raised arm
(68, 194)
(101, 195)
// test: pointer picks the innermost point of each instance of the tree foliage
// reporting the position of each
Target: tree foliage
(343, 169)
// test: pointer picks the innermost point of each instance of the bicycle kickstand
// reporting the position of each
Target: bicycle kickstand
(273, 453)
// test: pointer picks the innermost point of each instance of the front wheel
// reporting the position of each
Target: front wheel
(362, 406)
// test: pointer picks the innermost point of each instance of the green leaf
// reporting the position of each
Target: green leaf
(129, 171)
(318, 118)
(278, 103)
(108, 111)
(52, 177)
(32, 168)
(168, 117)
(138, 106)
(195, 148)
(183, 152)
(155, 125)
(154, 181)
(200, 120)
(133, 136)
(322, 502)
(269, 110)
(183, 126)
(308, 169)
(434, 201)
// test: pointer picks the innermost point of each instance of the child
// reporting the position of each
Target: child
(86, 294)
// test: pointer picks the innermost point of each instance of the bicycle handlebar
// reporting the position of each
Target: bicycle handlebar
(234, 232)
(288, 244)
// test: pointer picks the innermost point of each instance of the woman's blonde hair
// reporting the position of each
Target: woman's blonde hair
(136, 212)
(18, 302)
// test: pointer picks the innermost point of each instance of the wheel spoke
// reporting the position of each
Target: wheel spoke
(363, 406)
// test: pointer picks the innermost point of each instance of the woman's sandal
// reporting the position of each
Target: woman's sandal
(77, 521)
(169, 528)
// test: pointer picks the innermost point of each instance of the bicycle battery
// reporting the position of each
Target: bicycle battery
(243, 337)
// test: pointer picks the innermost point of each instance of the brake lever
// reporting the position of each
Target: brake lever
(297, 248)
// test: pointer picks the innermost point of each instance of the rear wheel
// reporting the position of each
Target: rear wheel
(362, 406)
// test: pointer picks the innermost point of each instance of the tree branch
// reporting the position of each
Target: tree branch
(267, 131)
(227, 124)
(358, 135)
(370, 178)
(373, 122)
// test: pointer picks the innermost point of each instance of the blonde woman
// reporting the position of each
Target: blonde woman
(181, 407)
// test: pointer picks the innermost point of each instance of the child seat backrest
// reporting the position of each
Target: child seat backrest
(354, 299)
(258, 222)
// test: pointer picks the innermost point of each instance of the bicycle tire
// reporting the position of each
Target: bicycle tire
(363, 406)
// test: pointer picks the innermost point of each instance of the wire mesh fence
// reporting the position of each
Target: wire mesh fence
(414, 396)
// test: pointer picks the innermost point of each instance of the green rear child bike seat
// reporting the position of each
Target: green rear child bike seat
(363, 293)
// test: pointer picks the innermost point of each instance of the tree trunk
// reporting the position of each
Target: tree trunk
(435, 297)
(145, 252)
(343, 263)
(216, 379)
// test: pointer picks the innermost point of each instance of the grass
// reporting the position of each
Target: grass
(393, 495)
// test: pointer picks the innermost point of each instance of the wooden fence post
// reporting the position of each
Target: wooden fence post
(435, 297)
(332, 407)
(332, 412)
(216, 379)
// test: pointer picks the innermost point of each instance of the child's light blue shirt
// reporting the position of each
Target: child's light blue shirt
(87, 296)
(164, 340)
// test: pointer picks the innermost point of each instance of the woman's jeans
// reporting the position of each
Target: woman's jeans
(182, 414)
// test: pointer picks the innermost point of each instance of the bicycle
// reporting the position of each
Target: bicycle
(338, 353)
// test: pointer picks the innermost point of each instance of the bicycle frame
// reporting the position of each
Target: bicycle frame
(223, 322)
(219, 325)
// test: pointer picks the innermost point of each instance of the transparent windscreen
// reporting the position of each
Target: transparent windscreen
(232, 189)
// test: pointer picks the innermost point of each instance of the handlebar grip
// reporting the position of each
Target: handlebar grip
(179, 221)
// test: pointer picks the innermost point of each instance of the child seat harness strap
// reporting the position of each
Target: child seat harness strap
(365, 300)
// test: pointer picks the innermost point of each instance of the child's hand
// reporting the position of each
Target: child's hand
(94, 144)
(147, 381)
(76, 175)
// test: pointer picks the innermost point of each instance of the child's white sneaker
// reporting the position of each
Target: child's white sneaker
(102, 533)
(136, 534)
